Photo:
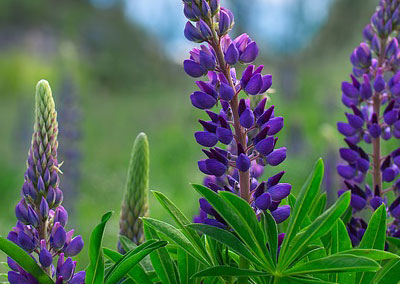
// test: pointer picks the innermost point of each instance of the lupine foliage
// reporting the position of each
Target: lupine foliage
(248, 231)
(373, 99)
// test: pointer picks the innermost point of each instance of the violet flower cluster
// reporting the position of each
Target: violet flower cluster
(373, 99)
(40, 229)
(239, 139)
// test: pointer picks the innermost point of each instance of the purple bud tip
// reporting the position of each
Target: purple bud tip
(74, 247)
(281, 213)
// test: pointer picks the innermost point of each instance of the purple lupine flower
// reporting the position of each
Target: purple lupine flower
(40, 229)
(245, 125)
(373, 97)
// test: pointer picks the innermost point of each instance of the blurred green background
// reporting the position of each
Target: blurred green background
(112, 78)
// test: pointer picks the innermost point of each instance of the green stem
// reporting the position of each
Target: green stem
(243, 264)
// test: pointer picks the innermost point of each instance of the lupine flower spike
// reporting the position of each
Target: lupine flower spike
(239, 138)
(40, 229)
(135, 203)
(373, 99)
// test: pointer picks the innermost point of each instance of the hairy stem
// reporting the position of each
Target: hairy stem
(240, 134)
(376, 142)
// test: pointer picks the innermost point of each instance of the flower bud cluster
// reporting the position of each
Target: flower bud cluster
(40, 229)
(239, 137)
(373, 99)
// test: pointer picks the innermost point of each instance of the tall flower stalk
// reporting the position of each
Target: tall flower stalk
(136, 201)
(242, 127)
(373, 98)
(40, 229)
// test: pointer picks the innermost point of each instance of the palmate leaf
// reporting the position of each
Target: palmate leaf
(172, 234)
(341, 242)
(24, 260)
(334, 264)
(95, 270)
(130, 259)
(271, 232)
(389, 274)
(224, 270)
(237, 221)
(161, 259)
(374, 238)
(187, 266)
(318, 207)
(181, 220)
(304, 201)
(228, 239)
(318, 228)
(137, 273)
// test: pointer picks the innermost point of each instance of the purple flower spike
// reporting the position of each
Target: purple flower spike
(206, 139)
(266, 145)
(275, 125)
(357, 202)
(277, 156)
(67, 269)
(281, 213)
(26, 242)
(348, 154)
(232, 54)
(349, 90)
(346, 129)
(263, 201)
(58, 238)
(193, 68)
(247, 118)
(202, 100)
(45, 257)
(279, 191)
(243, 125)
(79, 278)
(346, 172)
(215, 167)
(254, 85)
(226, 92)
(74, 247)
(16, 278)
(243, 163)
(250, 53)
(375, 202)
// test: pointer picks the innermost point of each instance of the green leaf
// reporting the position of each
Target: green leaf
(319, 227)
(247, 213)
(130, 259)
(24, 260)
(335, 263)
(341, 242)
(306, 280)
(318, 207)
(95, 270)
(393, 241)
(137, 273)
(126, 243)
(271, 231)
(228, 239)
(187, 266)
(182, 221)
(224, 270)
(374, 238)
(389, 274)
(371, 253)
(170, 233)
(161, 259)
(239, 224)
(303, 204)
